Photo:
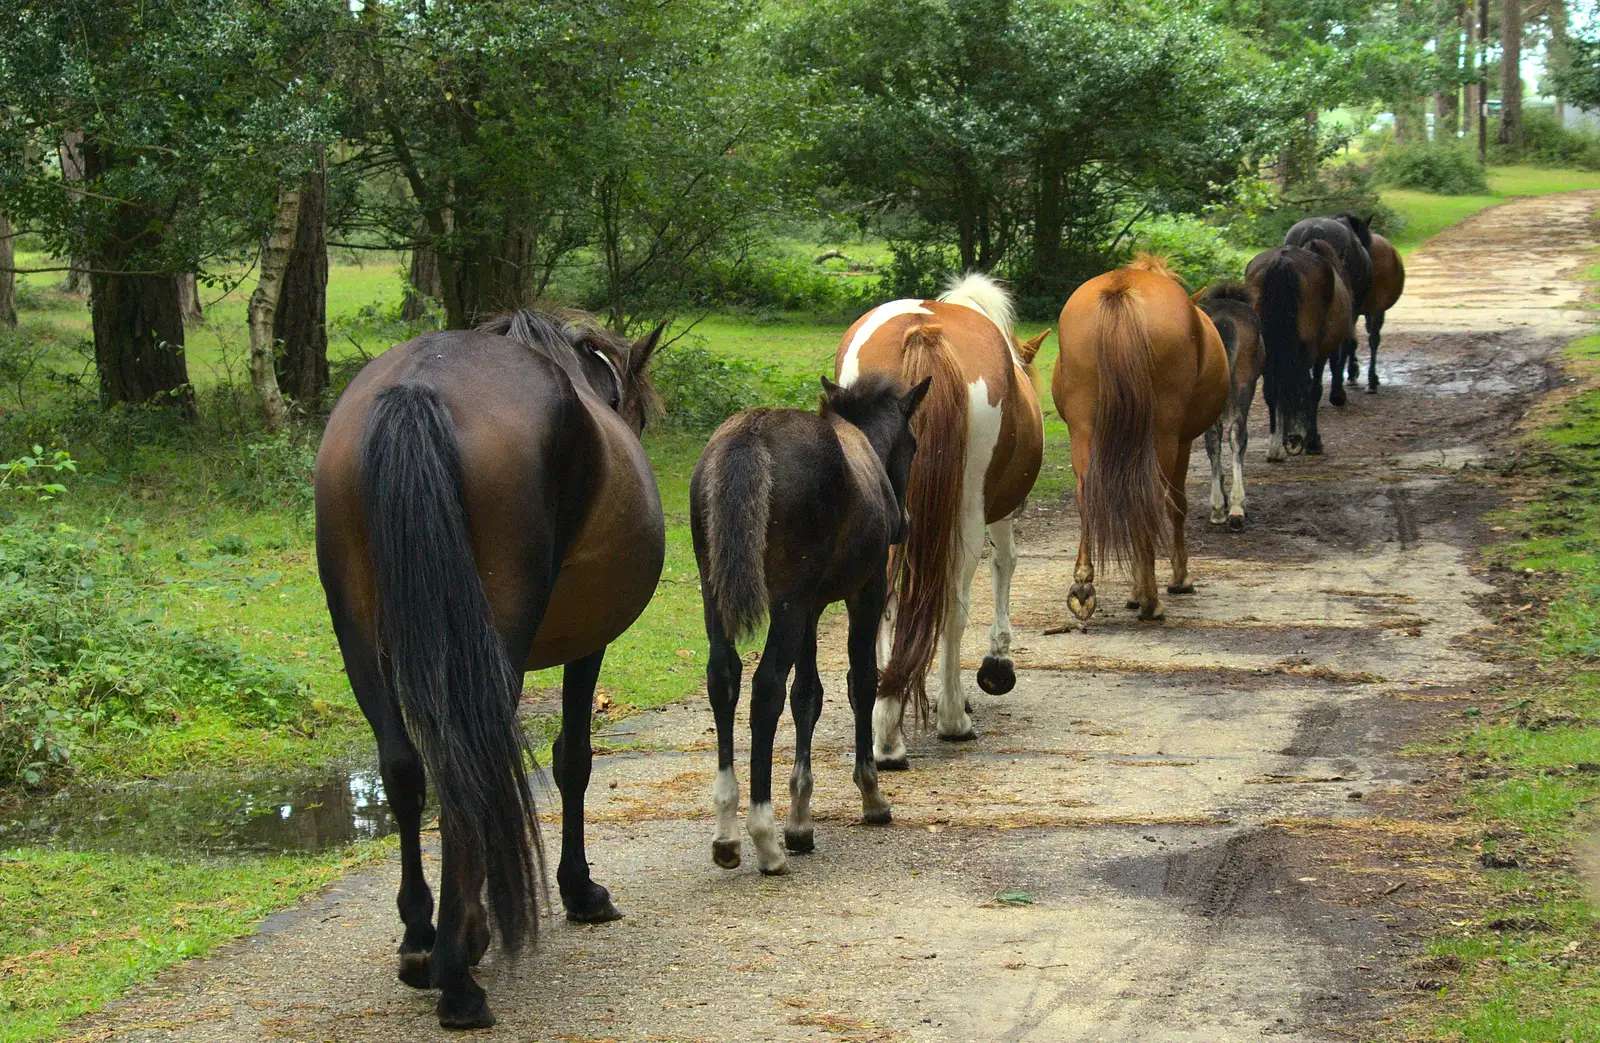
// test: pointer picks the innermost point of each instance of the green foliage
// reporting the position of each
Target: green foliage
(1445, 168)
(1339, 188)
(700, 388)
(1577, 80)
(1546, 143)
(1199, 252)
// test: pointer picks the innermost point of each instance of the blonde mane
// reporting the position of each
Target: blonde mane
(1157, 264)
(981, 293)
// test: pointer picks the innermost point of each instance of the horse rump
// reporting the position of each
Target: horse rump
(1124, 493)
(448, 666)
(1286, 375)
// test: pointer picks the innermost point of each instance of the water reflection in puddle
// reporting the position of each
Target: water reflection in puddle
(206, 816)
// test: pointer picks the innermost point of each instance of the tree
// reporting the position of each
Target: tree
(299, 322)
(263, 308)
(8, 276)
(1511, 73)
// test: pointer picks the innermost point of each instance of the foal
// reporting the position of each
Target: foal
(790, 512)
(1231, 306)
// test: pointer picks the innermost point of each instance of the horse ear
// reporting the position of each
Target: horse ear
(914, 397)
(1028, 350)
(644, 348)
(829, 388)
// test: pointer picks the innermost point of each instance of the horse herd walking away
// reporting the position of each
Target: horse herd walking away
(484, 507)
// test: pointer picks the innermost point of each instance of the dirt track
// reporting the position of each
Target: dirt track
(1182, 816)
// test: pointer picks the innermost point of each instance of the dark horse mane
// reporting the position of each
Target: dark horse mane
(1229, 290)
(575, 333)
(862, 399)
(1362, 229)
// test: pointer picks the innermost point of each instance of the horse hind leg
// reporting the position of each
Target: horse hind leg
(1081, 598)
(585, 900)
(1239, 438)
(953, 716)
(1178, 505)
(866, 609)
(1374, 336)
(1219, 501)
(785, 639)
(724, 677)
(996, 675)
(805, 703)
(888, 713)
(1336, 395)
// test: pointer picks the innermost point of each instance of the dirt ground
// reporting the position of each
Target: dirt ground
(1168, 831)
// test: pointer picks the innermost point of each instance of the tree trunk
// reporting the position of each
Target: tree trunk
(1557, 55)
(422, 284)
(1049, 215)
(1511, 73)
(189, 300)
(1446, 103)
(137, 318)
(71, 157)
(300, 322)
(8, 278)
(1471, 100)
(275, 255)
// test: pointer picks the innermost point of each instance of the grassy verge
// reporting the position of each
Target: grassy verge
(81, 928)
(1527, 968)
(1427, 214)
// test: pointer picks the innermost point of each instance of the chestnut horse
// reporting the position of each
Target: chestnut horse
(1231, 307)
(1142, 374)
(484, 507)
(981, 435)
(1304, 303)
(790, 512)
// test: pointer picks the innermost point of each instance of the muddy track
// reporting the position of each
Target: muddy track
(1145, 842)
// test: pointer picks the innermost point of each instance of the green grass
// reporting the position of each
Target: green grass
(79, 929)
(1427, 214)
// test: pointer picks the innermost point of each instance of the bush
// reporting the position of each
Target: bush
(1199, 252)
(700, 388)
(1447, 169)
(1337, 189)
(79, 664)
(1546, 143)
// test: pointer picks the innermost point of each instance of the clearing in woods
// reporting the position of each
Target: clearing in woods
(1168, 831)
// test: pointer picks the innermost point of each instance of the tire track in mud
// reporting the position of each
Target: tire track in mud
(1126, 852)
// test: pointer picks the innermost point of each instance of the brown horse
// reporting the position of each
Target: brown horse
(790, 512)
(1388, 283)
(1304, 303)
(1142, 374)
(981, 435)
(484, 507)
(1231, 307)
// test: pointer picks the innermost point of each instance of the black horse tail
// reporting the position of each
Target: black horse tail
(738, 499)
(1286, 382)
(455, 683)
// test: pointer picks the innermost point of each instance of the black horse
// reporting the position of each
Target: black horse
(1304, 303)
(1351, 240)
(484, 507)
(790, 512)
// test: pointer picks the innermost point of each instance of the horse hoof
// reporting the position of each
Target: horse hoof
(877, 816)
(778, 869)
(725, 853)
(1336, 397)
(894, 764)
(1152, 614)
(1131, 603)
(1313, 448)
(465, 1010)
(966, 736)
(1372, 388)
(1081, 600)
(996, 676)
(1236, 523)
(1217, 517)
(800, 841)
(594, 906)
(1180, 588)
(1277, 456)
(413, 970)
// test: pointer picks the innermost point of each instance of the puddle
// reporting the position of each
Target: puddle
(205, 816)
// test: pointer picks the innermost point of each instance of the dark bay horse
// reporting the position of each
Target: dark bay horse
(790, 512)
(1142, 374)
(982, 437)
(1388, 283)
(1231, 307)
(1304, 304)
(1349, 237)
(484, 507)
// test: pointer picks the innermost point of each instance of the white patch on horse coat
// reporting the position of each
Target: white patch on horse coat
(850, 368)
(725, 798)
(888, 728)
(769, 851)
(1002, 564)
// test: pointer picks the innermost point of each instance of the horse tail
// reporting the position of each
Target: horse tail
(738, 493)
(1124, 493)
(927, 562)
(1285, 380)
(455, 683)
(1228, 330)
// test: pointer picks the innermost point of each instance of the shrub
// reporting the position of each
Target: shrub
(1546, 143)
(700, 388)
(1336, 189)
(1446, 169)
(1199, 252)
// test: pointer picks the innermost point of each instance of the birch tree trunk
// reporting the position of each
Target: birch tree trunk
(264, 306)
(8, 278)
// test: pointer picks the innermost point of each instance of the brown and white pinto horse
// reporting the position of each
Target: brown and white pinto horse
(1142, 374)
(980, 437)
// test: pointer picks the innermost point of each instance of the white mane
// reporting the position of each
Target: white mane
(981, 293)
